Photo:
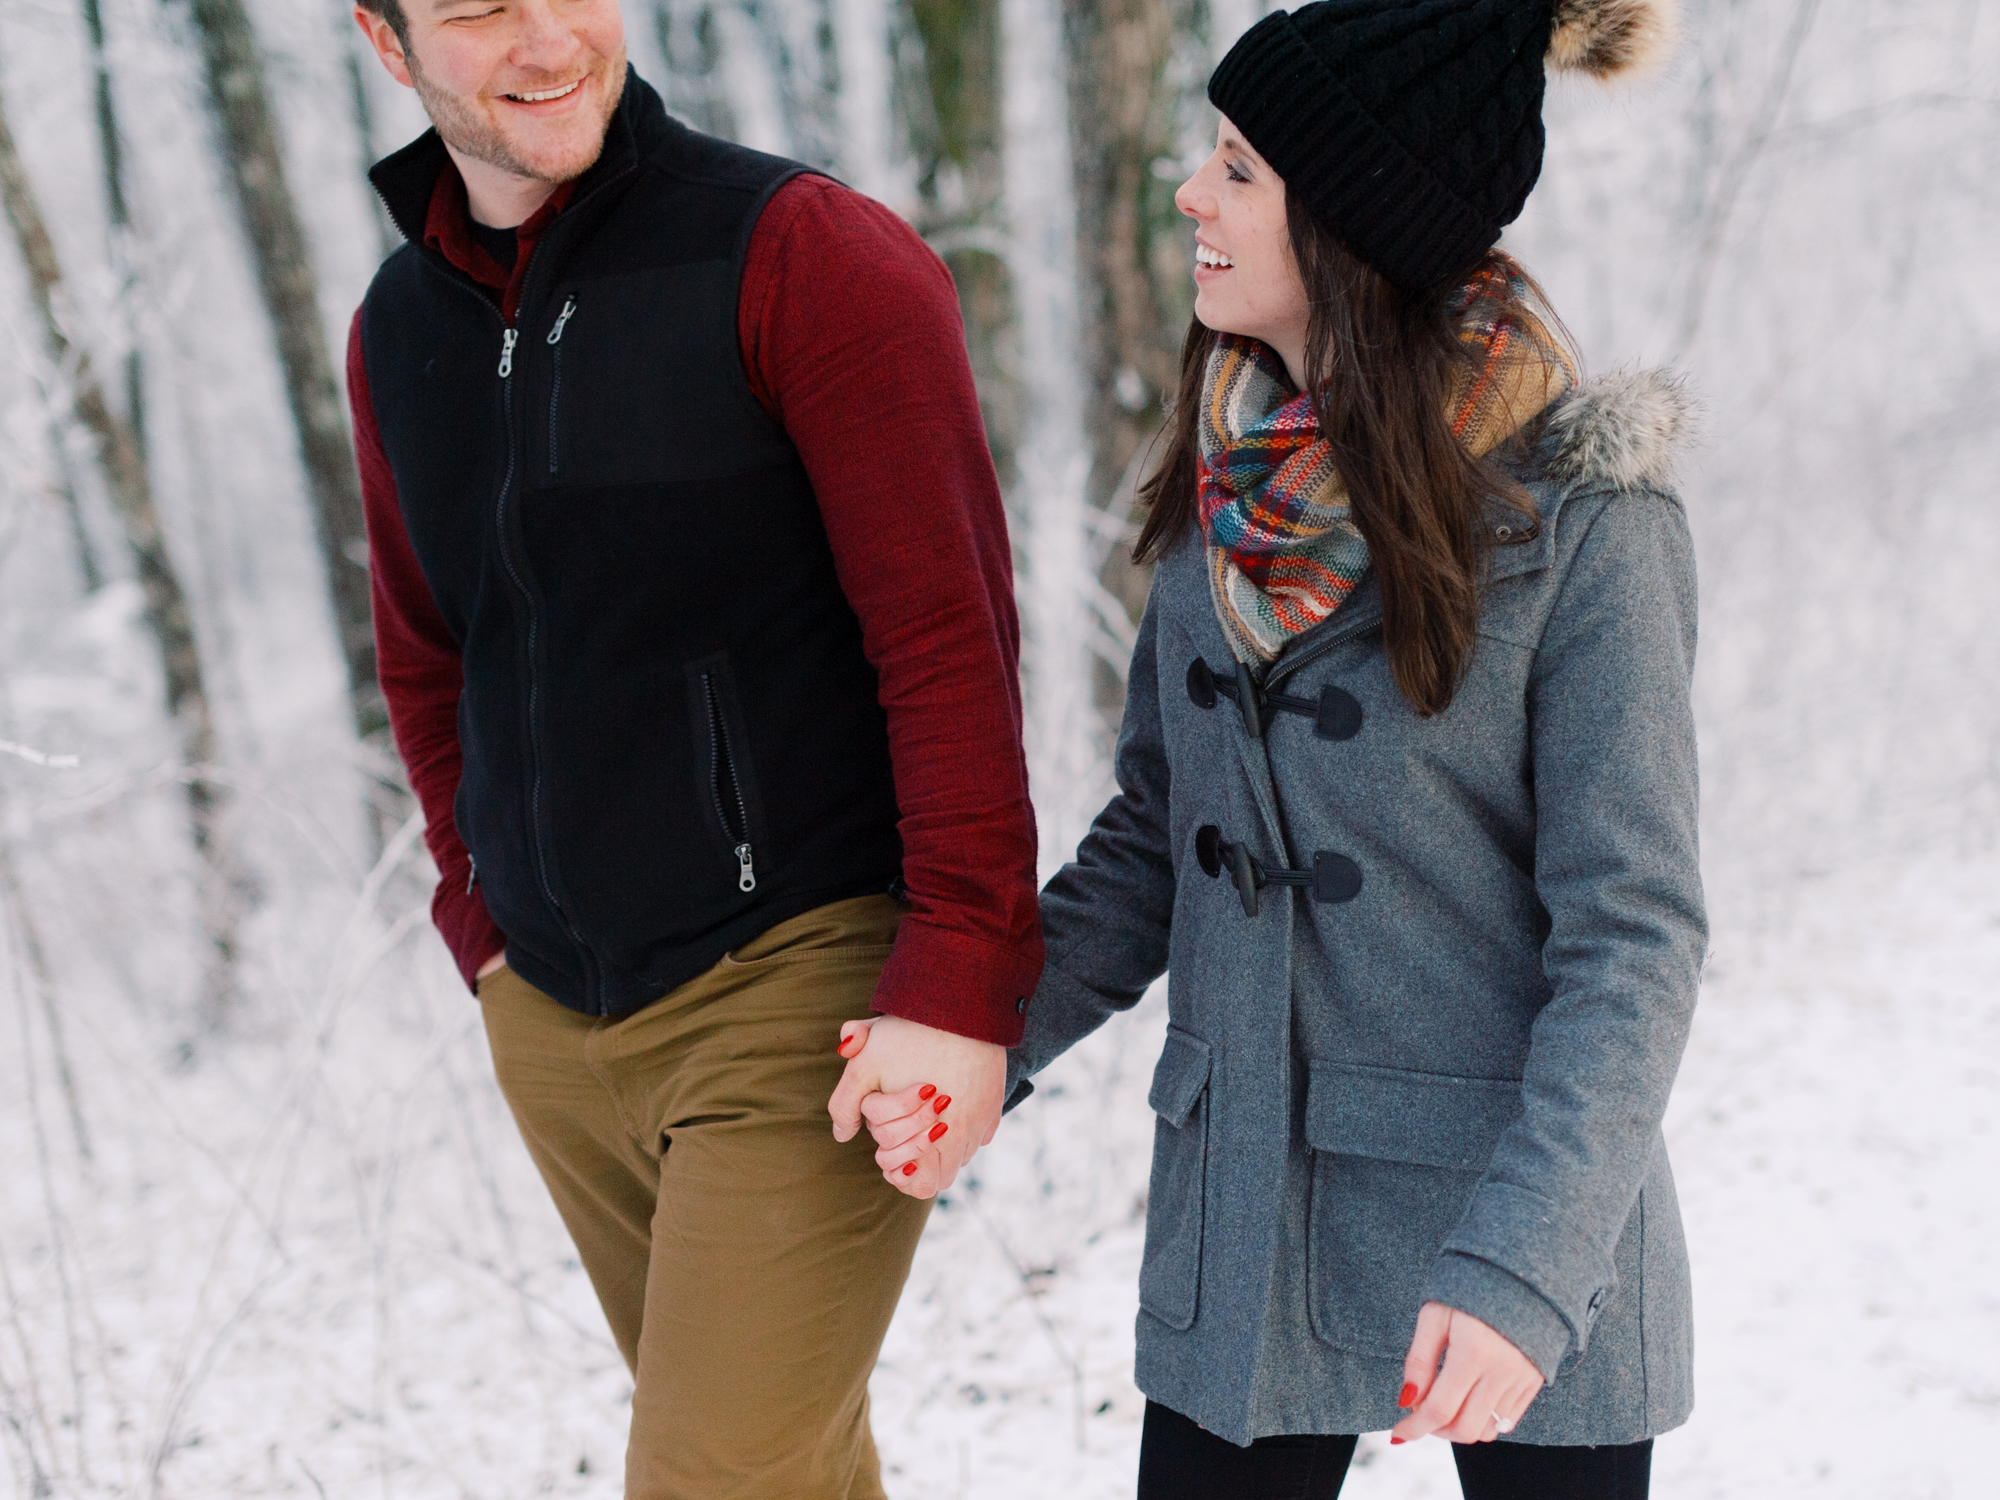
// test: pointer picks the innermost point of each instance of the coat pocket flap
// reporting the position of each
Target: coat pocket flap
(1180, 1077)
(1387, 1114)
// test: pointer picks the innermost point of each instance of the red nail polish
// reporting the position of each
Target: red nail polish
(841, 1046)
(909, 1169)
(941, 1102)
(926, 1091)
(1409, 1396)
(939, 1129)
(1394, 1441)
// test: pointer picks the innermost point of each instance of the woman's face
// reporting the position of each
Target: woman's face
(1247, 281)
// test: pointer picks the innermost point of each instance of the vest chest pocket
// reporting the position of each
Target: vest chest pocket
(1170, 1273)
(555, 384)
(1396, 1156)
(644, 383)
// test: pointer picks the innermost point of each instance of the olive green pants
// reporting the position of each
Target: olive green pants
(747, 1263)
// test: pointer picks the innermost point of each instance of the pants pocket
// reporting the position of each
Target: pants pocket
(1170, 1273)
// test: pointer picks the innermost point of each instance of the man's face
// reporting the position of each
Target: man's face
(526, 86)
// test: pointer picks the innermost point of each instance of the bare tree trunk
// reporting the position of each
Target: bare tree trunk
(1131, 254)
(167, 613)
(89, 574)
(290, 287)
(953, 106)
(111, 153)
(386, 234)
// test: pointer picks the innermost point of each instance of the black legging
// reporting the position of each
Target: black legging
(1178, 1460)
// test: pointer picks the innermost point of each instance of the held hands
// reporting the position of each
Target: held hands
(930, 1098)
(1482, 1391)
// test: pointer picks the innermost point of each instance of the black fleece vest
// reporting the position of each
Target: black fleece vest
(672, 740)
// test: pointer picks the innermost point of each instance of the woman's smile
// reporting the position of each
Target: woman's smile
(1209, 262)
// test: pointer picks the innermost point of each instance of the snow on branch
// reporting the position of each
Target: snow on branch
(36, 757)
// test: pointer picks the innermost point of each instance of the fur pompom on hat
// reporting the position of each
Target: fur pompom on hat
(1607, 38)
(1413, 128)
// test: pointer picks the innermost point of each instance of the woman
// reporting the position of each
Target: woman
(1407, 800)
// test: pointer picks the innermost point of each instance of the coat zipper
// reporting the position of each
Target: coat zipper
(555, 385)
(1282, 668)
(721, 760)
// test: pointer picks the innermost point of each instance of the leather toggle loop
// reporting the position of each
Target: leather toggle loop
(1333, 879)
(1338, 716)
(1336, 878)
(1208, 849)
(1336, 713)
(1201, 684)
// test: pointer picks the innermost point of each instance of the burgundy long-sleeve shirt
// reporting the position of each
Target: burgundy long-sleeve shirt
(851, 339)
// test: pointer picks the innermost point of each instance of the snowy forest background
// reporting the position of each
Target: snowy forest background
(265, 1226)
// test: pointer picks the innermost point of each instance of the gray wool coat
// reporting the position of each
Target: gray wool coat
(1434, 1067)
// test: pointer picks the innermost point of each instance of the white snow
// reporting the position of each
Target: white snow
(324, 1257)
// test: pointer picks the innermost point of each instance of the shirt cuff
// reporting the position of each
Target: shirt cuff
(1503, 1302)
(957, 983)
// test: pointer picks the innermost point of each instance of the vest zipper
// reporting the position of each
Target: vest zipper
(721, 774)
(555, 385)
(507, 342)
(508, 338)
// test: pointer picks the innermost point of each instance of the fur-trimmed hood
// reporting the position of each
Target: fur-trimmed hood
(1625, 430)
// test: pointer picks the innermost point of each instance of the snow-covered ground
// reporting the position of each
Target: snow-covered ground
(318, 1261)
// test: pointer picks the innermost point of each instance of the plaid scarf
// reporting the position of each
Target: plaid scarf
(1283, 551)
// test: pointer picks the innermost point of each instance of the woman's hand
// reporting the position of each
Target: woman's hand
(891, 1062)
(1483, 1389)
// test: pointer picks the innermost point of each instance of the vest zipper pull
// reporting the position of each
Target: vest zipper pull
(555, 333)
(507, 353)
(472, 876)
(746, 872)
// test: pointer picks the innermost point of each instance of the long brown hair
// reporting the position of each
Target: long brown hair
(1382, 364)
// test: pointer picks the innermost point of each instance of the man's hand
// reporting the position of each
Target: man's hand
(492, 965)
(1483, 1389)
(934, 1094)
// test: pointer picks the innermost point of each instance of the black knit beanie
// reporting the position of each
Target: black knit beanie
(1414, 127)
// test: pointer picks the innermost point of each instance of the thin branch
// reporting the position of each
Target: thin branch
(36, 757)
(1708, 254)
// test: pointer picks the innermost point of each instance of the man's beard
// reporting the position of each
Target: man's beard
(472, 134)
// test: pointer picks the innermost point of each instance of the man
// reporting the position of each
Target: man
(692, 596)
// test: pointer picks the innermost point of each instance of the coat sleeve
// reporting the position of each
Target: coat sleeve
(1617, 867)
(1106, 915)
